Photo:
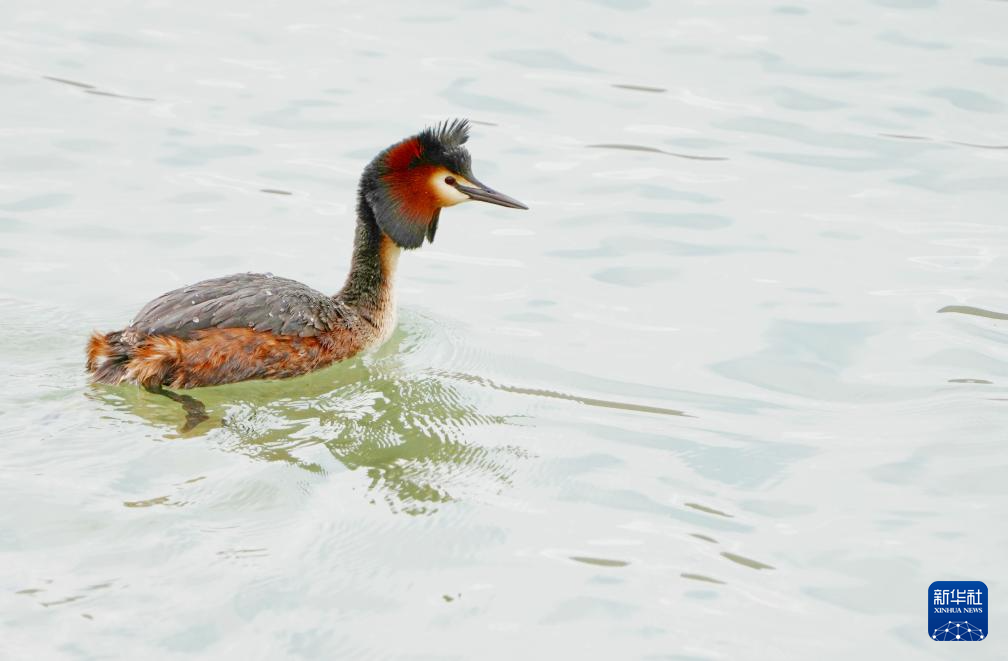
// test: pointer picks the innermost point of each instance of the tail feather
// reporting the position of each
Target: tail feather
(149, 364)
(115, 358)
(107, 357)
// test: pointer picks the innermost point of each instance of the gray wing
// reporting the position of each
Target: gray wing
(258, 301)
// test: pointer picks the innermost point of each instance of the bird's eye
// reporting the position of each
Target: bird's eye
(450, 180)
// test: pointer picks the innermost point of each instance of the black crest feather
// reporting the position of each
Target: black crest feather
(447, 135)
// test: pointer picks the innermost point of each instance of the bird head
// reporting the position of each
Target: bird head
(409, 183)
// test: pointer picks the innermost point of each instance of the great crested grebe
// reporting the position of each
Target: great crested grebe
(256, 326)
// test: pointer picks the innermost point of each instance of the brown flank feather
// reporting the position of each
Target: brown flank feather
(213, 356)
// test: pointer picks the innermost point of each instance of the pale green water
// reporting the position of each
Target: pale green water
(685, 408)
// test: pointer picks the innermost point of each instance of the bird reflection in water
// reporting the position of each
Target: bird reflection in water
(411, 432)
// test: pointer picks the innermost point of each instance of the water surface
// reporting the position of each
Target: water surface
(734, 387)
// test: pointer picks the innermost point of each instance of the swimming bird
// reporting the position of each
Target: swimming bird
(258, 326)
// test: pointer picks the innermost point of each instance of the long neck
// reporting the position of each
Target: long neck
(369, 285)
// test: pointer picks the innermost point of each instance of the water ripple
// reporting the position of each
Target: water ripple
(655, 150)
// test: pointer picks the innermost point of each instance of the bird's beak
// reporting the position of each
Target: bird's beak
(478, 191)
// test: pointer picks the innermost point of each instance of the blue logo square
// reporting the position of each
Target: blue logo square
(957, 610)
